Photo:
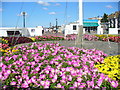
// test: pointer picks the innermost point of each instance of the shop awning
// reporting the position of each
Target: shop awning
(90, 24)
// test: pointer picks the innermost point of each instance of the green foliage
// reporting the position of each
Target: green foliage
(105, 18)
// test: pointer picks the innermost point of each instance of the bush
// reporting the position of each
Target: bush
(17, 40)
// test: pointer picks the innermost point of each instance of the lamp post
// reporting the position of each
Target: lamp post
(24, 14)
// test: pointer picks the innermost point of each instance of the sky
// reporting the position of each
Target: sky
(41, 13)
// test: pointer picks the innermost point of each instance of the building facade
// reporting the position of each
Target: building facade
(114, 23)
(11, 31)
(89, 26)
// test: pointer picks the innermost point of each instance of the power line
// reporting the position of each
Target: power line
(19, 13)
(18, 22)
(66, 9)
(28, 19)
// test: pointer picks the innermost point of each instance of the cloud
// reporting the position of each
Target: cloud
(69, 16)
(1, 9)
(52, 13)
(43, 3)
(109, 6)
(57, 4)
(45, 8)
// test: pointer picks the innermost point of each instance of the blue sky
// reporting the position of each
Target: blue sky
(42, 13)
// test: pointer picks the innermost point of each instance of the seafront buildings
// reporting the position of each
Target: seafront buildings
(90, 26)
(28, 31)
(94, 25)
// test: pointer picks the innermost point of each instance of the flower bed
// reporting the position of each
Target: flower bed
(3, 43)
(48, 38)
(112, 38)
(90, 37)
(110, 67)
(54, 66)
(17, 40)
(71, 37)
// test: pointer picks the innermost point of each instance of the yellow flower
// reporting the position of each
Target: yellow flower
(110, 66)
(15, 50)
(32, 38)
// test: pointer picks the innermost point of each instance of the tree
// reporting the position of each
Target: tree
(105, 18)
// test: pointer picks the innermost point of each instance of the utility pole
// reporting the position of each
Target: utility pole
(56, 25)
(79, 39)
(50, 24)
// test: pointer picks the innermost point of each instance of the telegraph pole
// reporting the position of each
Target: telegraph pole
(56, 25)
(50, 25)
(79, 39)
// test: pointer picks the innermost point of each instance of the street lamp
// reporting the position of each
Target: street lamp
(23, 14)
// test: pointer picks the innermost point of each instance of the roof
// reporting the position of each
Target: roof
(89, 24)
(90, 20)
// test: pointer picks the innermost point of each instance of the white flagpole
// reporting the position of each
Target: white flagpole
(80, 12)
(80, 25)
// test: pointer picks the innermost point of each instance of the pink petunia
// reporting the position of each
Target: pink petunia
(59, 85)
(99, 82)
(62, 81)
(25, 85)
(54, 80)
(47, 83)
(114, 84)
(79, 79)
(70, 78)
(42, 83)
(13, 83)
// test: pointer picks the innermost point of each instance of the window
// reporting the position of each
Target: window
(118, 31)
(13, 32)
(74, 27)
(32, 30)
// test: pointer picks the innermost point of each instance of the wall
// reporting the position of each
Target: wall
(113, 30)
(24, 32)
(3, 33)
(99, 30)
(37, 32)
(69, 29)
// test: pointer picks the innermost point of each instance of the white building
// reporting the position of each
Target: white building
(9, 31)
(89, 26)
(114, 23)
(113, 26)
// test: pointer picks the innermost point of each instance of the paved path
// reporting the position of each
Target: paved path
(111, 48)
(108, 48)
